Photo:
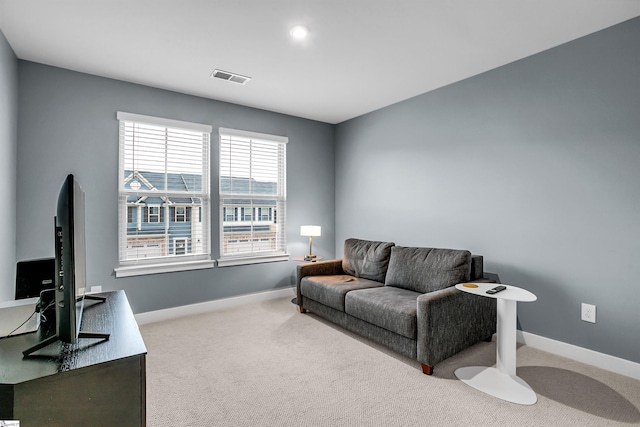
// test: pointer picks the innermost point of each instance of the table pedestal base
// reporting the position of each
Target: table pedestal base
(497, 384)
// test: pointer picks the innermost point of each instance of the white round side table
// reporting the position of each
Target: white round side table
(501, 381)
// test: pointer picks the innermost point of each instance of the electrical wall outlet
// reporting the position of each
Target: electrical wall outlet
(588, 313)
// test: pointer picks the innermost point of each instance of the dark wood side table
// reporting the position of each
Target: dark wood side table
(91, 383)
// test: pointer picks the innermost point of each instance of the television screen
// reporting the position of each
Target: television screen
(70, 267)
(70, 260)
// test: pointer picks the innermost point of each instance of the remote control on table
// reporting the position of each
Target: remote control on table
(496, 289)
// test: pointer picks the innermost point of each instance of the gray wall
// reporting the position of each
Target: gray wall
(8, 147)
(67, 124)
(533, 165)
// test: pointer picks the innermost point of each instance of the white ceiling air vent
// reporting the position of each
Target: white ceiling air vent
(230, 77)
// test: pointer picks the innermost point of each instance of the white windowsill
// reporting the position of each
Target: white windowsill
(142, 269)
(230, 261)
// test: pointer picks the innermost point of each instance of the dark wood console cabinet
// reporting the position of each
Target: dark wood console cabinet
(91, 383)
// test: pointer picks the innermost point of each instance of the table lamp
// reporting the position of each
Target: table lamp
(310, 230)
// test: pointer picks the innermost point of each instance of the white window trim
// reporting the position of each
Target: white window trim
(234, 260)
(159, 121)
(144, 269)
(165, 265)
(253, 135)
(229, 261)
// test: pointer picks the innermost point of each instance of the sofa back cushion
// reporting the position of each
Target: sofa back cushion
(366, 258)
(426, 269)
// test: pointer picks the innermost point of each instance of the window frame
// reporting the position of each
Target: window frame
(153, 215)
(280, 253)
(167, 262)
(177, 241)
(185, 216)
(247, 212)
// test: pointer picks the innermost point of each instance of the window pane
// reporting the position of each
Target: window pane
(252, 184)
(164, 175)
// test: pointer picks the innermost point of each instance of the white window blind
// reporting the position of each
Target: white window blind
(164, 195)
(252, 197)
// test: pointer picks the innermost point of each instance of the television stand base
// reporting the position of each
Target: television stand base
(82, 334)
(102, 335)
(42, 344)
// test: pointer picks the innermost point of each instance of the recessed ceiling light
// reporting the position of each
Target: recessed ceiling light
(299, 32)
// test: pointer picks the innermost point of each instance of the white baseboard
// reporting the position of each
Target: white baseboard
(205, 307)
(580, 354)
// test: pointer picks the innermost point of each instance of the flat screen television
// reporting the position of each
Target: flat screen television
(70, 268)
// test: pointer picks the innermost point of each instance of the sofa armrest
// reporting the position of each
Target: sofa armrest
(477, 267)
(319, 268)
(449, 320)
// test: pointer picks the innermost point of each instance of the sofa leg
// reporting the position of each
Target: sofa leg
(302, 310)
(488, 339)
(426, 369)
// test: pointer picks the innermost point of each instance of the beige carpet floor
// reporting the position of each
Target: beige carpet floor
(265, 364)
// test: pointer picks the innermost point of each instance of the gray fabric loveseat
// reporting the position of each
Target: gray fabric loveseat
(401, 297)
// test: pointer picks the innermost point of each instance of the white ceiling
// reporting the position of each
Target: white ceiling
(361, 55)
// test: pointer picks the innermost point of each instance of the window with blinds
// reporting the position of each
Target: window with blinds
(252, 197)
(164, 195)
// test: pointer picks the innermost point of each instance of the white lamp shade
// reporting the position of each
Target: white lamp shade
(310, 230)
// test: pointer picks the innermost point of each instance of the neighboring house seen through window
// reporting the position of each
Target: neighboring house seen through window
(252, 197)
(164, 195)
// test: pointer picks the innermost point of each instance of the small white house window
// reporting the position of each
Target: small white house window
(153, 214)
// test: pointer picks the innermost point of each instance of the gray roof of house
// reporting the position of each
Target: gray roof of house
(193, 183)
(174, 182)
(243, 185)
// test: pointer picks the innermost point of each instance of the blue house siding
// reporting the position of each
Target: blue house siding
(156, 227)
(155, 219)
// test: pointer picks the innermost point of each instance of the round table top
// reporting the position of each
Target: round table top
(512, 293)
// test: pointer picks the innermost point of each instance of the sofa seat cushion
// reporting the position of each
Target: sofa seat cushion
(390, 308)
(366, 258)
(426, 270)
(331, 290)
